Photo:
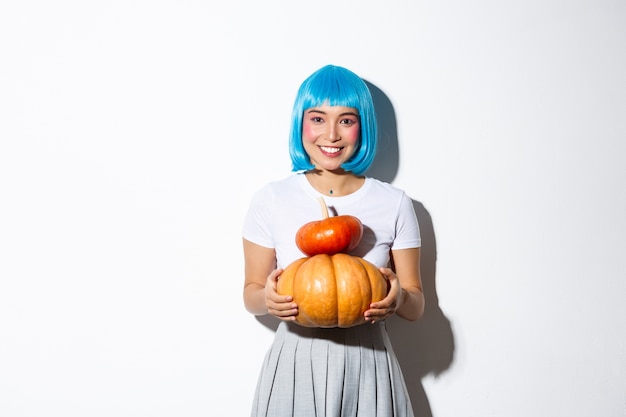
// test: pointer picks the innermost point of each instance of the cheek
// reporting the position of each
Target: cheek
(308, 132)
(352, 136)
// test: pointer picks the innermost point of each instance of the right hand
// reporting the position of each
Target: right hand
(281, 306)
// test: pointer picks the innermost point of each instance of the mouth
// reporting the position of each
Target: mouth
(330, 150)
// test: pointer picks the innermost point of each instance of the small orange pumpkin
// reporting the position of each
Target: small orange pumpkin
(329, 235)
(332, 290)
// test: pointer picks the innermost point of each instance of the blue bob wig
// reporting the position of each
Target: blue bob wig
(335, 86)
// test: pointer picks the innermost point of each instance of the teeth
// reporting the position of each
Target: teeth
(328, 149)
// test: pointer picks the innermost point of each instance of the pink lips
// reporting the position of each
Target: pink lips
(330, 154)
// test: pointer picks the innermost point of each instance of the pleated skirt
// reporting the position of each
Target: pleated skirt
(311, 372)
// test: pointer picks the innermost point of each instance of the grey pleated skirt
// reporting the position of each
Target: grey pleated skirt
(311, 372)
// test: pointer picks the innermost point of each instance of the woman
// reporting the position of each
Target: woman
(338, 371)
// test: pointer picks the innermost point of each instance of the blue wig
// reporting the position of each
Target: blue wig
(335, 86)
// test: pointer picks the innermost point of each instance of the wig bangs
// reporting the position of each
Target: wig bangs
(331, 88)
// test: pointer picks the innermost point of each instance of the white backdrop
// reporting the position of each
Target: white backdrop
(133, 133)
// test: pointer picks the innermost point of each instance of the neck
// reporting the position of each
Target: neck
(335, 185)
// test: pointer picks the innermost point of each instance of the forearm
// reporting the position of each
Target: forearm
(411, 305)
(411, 298)
(254, 299)
(260, 262)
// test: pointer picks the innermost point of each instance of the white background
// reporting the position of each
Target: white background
(133, 133)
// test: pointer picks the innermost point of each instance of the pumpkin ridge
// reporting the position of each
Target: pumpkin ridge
(338, 306)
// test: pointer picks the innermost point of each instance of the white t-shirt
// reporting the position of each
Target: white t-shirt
(280, 208)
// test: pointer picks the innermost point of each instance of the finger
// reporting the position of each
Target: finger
(385, 271)
(284, 310)
(273, 276)
(374, 317)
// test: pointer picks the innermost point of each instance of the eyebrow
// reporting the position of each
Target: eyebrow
(348, 113)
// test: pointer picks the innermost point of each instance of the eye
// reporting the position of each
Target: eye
(348, 122)
(317, 119)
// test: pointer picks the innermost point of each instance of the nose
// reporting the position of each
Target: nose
(333, 134)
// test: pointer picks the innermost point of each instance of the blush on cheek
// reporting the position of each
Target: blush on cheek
(352, 136)
(307, 131)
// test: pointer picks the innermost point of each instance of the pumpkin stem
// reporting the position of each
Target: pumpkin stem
(324, 207)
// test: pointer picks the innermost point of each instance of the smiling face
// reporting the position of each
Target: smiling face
(330, 135)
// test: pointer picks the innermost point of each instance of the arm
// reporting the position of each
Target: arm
(259, 291)
(405, 297)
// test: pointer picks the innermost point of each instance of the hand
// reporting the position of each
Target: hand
(388, 306)
(281, 306)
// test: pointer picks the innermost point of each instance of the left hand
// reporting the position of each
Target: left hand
(388, 306)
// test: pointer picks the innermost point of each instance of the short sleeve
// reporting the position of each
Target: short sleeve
(407, 226)
(256, 224)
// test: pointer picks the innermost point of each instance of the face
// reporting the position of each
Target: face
(330, 135)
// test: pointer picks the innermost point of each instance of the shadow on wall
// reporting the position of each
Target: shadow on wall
(427, 345)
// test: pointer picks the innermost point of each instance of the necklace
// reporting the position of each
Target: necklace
(330, 192)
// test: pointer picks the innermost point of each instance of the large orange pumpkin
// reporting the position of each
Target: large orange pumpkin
(330, 234)
(332, 290)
